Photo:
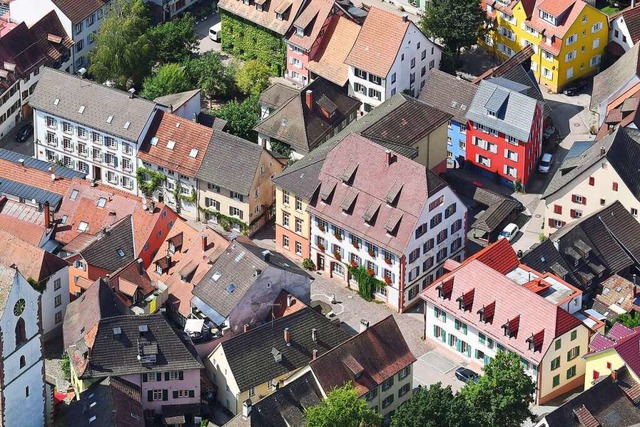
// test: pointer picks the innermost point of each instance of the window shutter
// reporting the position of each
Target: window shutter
(159, 376)
(175, 394)
(584, 200)
(573, 197)
(180, 375)
(241, 214)
(165, 395)
(149, 395)
(550, 222)
(166, 376)
(444, 336)
(573, 213)
(192, 393)
(144, 378)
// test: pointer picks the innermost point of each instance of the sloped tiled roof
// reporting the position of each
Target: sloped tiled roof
(544, 257)
(537, 316)
(129, 281)
(50, 25)
(568, 10)
(268, 16)
(113, 248)
(32, 261)
(631, 16)
(616, 78)
(305, 128)
(310, 20)
(19, 46)
(378, 42)
(175, 143)
(617, 290)
(117, 354)
(77, 10)
(276, 95)
(250, 357)
(177, 100)
(448, 93)
(329, 60)
(380, 350)
(129, 116)
(373, 179)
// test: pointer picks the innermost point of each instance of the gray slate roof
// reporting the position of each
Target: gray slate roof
(176, 100)
(117, 355)
(448, 93)
(520, 75)
(100, 103)
(250, 354)
(610, 81)
(103, 252)
(545, 258)
(41, 165)
(28, 192)
(515, 111)
(233, 274)
(230, 162)
(621, 149)
(276, 95)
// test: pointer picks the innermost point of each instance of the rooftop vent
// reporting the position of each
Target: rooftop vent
(81, 110)
(277, 356)
(117, 330)
(154, 141)
(171, 144)
(56, 101)
(126, 125)
(109, 119)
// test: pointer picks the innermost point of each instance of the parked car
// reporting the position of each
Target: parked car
(465, 375)
(545, 163)
(24, 133)
(509, 232)
(548, 131)
(214, 32)
(575, 88)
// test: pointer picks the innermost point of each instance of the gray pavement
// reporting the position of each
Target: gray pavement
(9, 141)
(205, 44)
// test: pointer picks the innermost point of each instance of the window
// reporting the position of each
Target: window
(298, 204)
(596, 27)
(413, 256)
(594, 61)
(428, 245)
(78, 27)
(592, 181)
(557, 209)
(573, 353)
(413, 62)
(211, 203)
(404, 390)
(360, 73)
(359, 88)
(404, 373)
(572, 39)
(375, 94)
(427, 264)
(23, 361)
(442, 235)
(286, 219)
(556, 381)
(435, 220)
(235, 212)
(456, 226)
(21, 333)
(298, 248)
(571, 372)
(58, 300)
(570, 56)
(574, 335)
(298, 225)
(547, 73)
(236, 196)
(213, 187)
(421, 230)
(371, 394)
(375, 79)
(156, 394)
(387, 401)
(634, 212)
(558, 344)
(393, 78)
(79, 46)
(387, 384)
(83, 226)
(252, 392)
(285, 242)
(614, 187)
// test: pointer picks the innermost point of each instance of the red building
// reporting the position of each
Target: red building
(504, 130)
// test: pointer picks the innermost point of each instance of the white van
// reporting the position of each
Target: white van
(509, 232)
(214, 32)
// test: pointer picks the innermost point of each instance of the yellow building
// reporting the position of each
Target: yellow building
(620, 347)
(567, 36)
(250, 366)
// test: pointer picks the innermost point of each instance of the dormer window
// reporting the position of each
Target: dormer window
(548, 17)
(506, 330)
(279, 16)
(531, 343)
(491, 113)
(483, 318)
(440, 290)
(259, 7)
(172, 248)
(300, 31)
(460, 301)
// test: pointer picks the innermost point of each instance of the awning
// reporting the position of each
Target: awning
(217, 318)
(193, 325)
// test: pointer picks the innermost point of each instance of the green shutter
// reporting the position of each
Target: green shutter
(166, 376)
(468, 351)
(435, 330)
(444, 316)
(175, 394)
(144, 378)
(444, 336)
(464, 328)
(149, 395)
(192, 393)
(435, 312)
(165, 395)
(159, 376)
(180, 375)
(459, 345)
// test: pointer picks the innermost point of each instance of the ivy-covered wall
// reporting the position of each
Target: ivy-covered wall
(247, 41)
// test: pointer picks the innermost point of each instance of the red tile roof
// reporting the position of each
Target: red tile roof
(28, 231)
(379, 42)
(380, 352)
(500, 256)
(180, 144)
(311, 21)
(372, 180)
(631, 17)
(129, 280)
(535, 316)
(629, 350)
(34, 177)
(560, 30)
(32, 261)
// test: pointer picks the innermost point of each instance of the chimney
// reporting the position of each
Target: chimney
(364, 325)
(195, 118)
(152, 207)
(203, 239)
(388, 156)
(53, 177)
(602, 151)
(131, 92)
(246, 408)
(21, 161)
(266, 256)
(245, 328)
(140, 266)
(308, 97)
(405, 17)
(47, 215)
(168, 261)
(314, 335)
(289, 300)
(287, 336)
(614, 376)
(315, 354)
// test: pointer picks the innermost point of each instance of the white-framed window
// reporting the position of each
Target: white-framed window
(377, 80)
(83, 167)
(570, 72)
(78, 28)
(235, 212)
(156, 394)
(285, 241)
(546, 55)
(596, 43)
(236, 196)
(511, 171)
(126, 164)
(359, 88)
(127, 182)
(360, 73)
(298, 248)
(570, 56)
(512, 140)
(511, 155)
(67, 128)
(51, 138)
(596, 27)
(373, 93)
(58, 316)
(112, 177)
(547, 73)
(594, 61)
(485, 161)
(571, 39)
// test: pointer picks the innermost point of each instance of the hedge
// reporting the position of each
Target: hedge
(247, 41)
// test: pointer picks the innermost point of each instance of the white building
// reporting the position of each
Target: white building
(80, 19)
(90, 128)
(22, 385)
(387, 213)
(164, 10)
(380, 67)
(620, 25)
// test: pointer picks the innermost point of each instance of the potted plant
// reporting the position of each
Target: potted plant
(387, 280)
(355, 244)
(372, 253)
(338, 236)
(370, 272)
(336, 255)
(321, 247)
(354, 264)
(387, 260)
(321, 227)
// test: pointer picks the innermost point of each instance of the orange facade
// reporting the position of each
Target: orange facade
(284, 236)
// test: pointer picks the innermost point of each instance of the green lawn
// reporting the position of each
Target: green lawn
(610, 10)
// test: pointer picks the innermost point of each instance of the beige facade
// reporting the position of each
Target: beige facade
(243, 212)
(598, 186)
(432, 149)
(292, 225)
(385, 398)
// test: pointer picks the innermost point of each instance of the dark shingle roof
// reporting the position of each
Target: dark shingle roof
(305, 129)
(112, 402)
(41, 165)
(113, 249)
(77, 10)
(276, 95)
(448, 93)
(520, 75)
(606, 402)
(250, 355)
(380, 350)
(230, 162)
(129, 116)
(233, 274)
(545, 258)
(494, 215)
(117, 354)
(28, 192)
(97, 302)
(617, 77)
(621, 149)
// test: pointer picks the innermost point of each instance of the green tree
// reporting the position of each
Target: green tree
(253, 77)
(628, 320)
(241, 117)
(173, 41)
(502, 395)
(123, 53)
(170, 78)
(65, 365)
(428, 407)
(209, 74)
(459, 23)
(343, 408)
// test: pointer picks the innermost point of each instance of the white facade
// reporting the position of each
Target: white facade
(443, 218)
(31, 11)
(102, 156)
(176, 183)
(172, 7)
(416, 56)
(619, 33)
(22, 378)
(55, 298)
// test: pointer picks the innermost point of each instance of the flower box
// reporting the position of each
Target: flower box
(355, 244)
(372, 253)
(354, 264)
(321, 247)
(321, 228)
(337, 256)
(338, 236)
(387, 280)
(370, 272)
(387, 260)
